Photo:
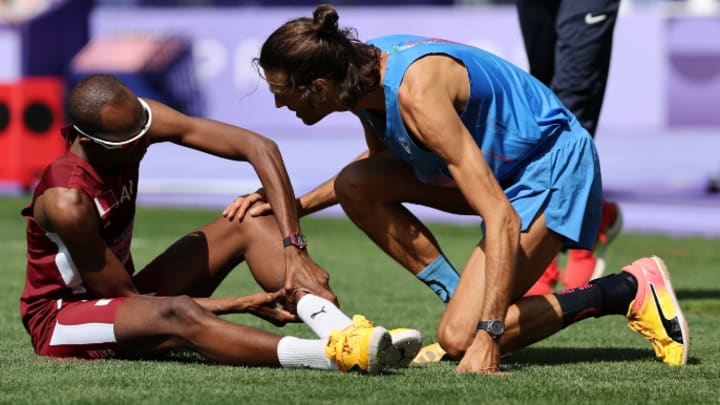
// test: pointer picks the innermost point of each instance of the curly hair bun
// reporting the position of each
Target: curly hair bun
(325, 20)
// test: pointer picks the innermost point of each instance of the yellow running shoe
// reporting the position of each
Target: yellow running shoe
(359, 347)
(406, 344)
(431, 353)
(655, 313)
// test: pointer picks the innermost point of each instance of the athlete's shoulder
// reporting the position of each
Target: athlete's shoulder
(62, 168)
(69, 171)
(387, 42)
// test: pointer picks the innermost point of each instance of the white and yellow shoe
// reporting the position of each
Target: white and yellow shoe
(361, 347)
(406, 343)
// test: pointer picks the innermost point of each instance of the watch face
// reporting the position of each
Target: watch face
(495, 328)
(298, 239)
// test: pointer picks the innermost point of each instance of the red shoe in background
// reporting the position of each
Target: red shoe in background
(586, 265)
(546, 282)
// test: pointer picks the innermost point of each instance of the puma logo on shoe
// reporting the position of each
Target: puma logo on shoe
(314, 314)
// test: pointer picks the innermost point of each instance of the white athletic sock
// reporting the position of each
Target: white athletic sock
(294, 352)
(321, 315)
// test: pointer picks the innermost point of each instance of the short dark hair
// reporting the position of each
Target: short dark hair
(90, 95)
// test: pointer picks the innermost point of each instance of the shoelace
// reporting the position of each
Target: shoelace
(339, 339)
(336, 340)
(360, 322)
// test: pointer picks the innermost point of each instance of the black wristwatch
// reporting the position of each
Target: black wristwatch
(494, 327)
(296, 239)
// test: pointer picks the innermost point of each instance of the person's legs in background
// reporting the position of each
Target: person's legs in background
(569, 44)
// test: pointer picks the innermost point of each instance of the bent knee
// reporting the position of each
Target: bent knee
(351, 182)
(183, 311)
(455, 341)
(249, 225)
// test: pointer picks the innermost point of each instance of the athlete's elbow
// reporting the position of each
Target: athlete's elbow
(504, 221)
(264, 149)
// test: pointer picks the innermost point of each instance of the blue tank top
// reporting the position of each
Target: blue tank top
(511, 115)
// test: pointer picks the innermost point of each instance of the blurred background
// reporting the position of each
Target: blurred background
(659, 132)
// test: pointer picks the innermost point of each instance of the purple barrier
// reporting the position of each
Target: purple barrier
(694, 74)
(225, 40)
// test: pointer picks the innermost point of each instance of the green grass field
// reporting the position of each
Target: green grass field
(596, 361)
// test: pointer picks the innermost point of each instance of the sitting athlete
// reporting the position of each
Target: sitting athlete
(82, 297)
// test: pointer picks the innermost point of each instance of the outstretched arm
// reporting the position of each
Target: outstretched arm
(263, 305)
(320, 197)
(323, 196)
(240, 144)
(234, 143)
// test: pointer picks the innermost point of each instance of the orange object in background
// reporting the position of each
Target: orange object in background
(31, 116)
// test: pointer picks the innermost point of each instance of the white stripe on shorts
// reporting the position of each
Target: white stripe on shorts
(87, 333)
(103, 302)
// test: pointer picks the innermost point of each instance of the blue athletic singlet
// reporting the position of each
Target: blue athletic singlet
(537, 150)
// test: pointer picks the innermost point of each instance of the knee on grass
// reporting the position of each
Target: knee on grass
(455, 341)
